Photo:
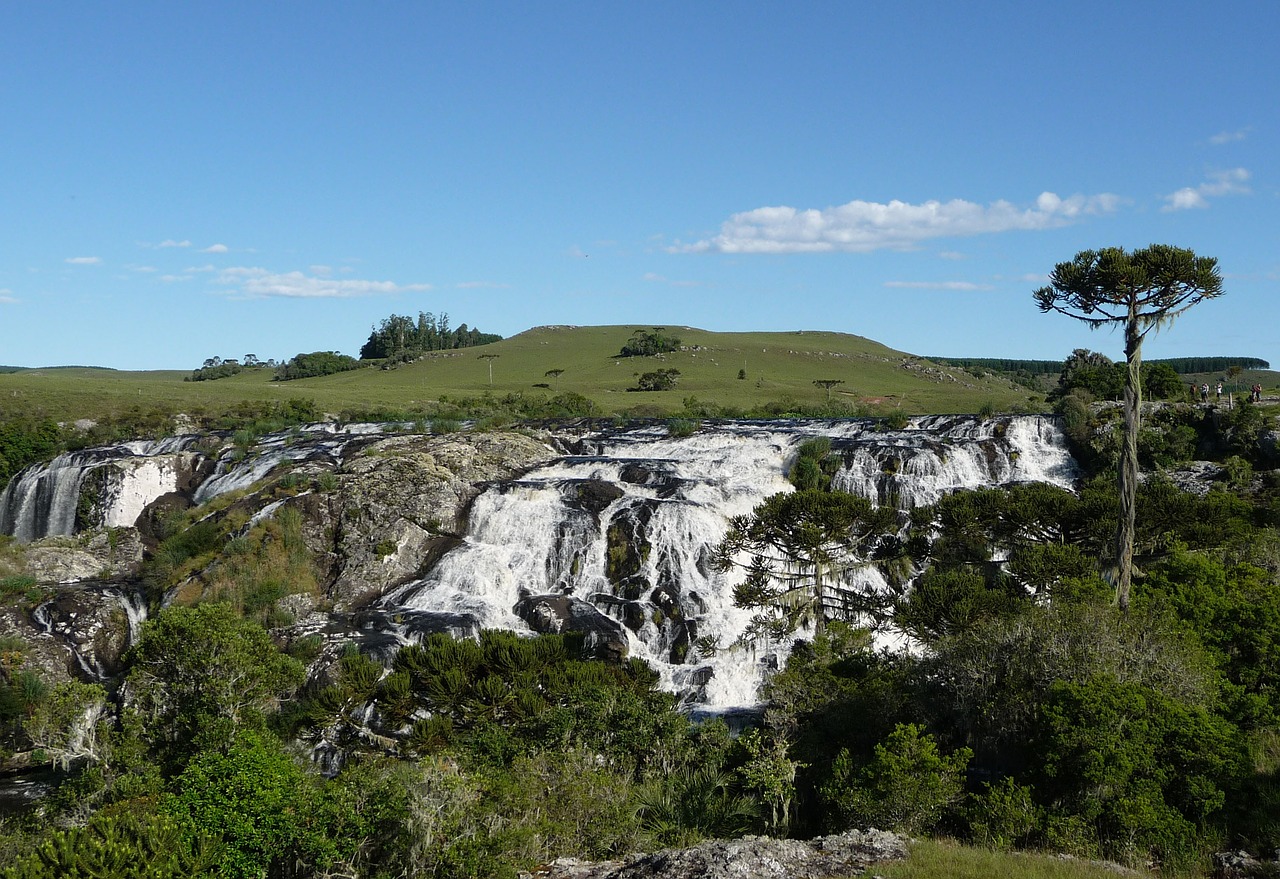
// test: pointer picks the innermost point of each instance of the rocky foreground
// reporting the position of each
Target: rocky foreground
(752, 857)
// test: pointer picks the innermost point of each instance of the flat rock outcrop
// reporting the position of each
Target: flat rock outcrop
(752, 857)
(105, 554)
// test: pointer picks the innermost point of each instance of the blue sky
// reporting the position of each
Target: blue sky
(188, 180)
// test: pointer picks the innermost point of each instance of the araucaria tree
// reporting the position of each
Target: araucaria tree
(799, 546)
(1141, 291)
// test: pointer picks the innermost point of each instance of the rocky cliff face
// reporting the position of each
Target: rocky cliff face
(401, 503)
(376, 510)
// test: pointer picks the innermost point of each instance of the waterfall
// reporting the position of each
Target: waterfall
(44, 500)
(237, 469)
(627, 527)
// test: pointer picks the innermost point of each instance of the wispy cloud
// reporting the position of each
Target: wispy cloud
(258, 283)
(215, 248)
(83, 260)
(863, 226)
(173, 279)
(169, 242)
(937, 285)
(1230, 136)
(1232, 182)
(950, 254)
(144, 269)
(7, 297)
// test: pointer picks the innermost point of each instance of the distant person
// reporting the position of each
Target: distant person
(1219, 392)
(1204, 393)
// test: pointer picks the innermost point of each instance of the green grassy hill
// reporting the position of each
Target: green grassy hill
(779, 367)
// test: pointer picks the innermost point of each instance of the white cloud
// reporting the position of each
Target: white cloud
(1230, 182)
(169, 242)
(207, 267)
(83, 260)
(1184, 199)
(7, 297)
(862, 226)
(137, 268)
(937, 285)
(950, 254)
(215, 248)
(1230, 136)
(260, 283)
(172, 279)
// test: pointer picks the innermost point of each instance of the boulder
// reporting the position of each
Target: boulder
(557, 614)
(105, 554)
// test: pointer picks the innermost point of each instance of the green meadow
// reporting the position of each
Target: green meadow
(779, 370)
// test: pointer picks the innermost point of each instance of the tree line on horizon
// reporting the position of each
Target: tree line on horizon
(1180, 365)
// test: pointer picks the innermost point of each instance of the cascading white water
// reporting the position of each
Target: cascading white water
(324, 442)
(43, 499)
(672, 499)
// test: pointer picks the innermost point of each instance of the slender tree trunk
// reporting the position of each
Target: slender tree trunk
(819, 615)
(1128, 484)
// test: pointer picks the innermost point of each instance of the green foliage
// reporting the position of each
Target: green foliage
(797, 544)
(645, 343)
(132, 841)
(18, 584)
(198, 675)
(949, 602)
(401, 337)
(1185, 365)
(1146, 771)
(215, 368)
(1235, 611)
(682, 427)
(814, 465)
(691, 804)
(317, 363)
(26, 440)
(256, 801)
(908, 785)
(1096, 375)
(1004, 816)
(658, 380)
(1003, 364)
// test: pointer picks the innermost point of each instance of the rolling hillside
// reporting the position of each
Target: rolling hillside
(779, 367)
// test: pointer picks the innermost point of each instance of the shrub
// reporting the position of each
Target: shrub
(1003, 816)
(682, 427)
(907, 786)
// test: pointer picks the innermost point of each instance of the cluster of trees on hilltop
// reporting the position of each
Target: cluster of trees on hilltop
(646, 343)
(315, 364)
(216, 368)
(400, 335)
